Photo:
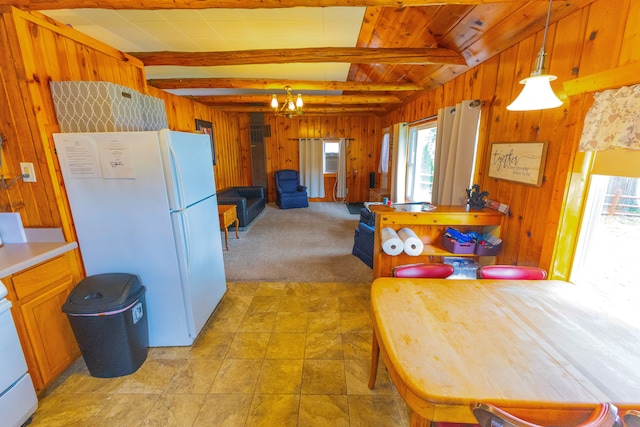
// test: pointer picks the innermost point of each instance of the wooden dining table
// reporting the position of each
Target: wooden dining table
(547, 351)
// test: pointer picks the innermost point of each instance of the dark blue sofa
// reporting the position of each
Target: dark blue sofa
(250, 202)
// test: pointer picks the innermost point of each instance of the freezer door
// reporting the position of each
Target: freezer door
(201, 264)
(188, 167)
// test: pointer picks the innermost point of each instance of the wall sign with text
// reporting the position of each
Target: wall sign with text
(518, 161)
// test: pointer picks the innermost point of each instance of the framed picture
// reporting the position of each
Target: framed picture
(518, 161)
(207, 128)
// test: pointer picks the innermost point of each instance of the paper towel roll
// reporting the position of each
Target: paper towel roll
(391, 243)
(411, 242)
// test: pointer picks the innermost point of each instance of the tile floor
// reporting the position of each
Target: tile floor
(272, 354)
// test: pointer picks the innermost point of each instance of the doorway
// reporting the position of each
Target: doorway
(606, 257)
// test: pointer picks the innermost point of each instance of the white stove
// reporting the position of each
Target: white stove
(18, 400)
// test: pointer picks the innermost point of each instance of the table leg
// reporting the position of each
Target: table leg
(375, 356)
(226, 237)
(237, 222)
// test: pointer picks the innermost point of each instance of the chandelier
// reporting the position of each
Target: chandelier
(537, 93)
(290, 107)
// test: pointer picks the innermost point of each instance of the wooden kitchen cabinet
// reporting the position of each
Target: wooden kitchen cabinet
(38, 294)
(429, 226)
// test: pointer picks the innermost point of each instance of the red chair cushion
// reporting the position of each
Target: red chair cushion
(511, 272)
(428, 271)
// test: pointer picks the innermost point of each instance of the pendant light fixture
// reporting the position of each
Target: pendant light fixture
(537, 93)
(289, 107)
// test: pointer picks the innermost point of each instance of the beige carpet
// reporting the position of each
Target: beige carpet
(297, 245)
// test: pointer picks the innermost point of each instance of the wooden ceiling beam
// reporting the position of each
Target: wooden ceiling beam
(227, 4)
(354, 55)
(369, 109)
(308, 100)
(276, 84)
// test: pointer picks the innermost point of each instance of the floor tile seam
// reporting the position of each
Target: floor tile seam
(77, 392)
(196, 357)
(142, 417)
(352, 395)
(324, 333)
(299, 404)
(166, 393)
(228, 346)
(348, 407)
(177, 373)
(257, 395)
(398, 415)
(102, 405)
(195, 419)
(226, 392)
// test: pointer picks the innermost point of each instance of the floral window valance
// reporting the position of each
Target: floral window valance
(613, 121)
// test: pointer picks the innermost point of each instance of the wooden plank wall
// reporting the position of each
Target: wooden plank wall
(231, 136)
(594, 39)
(39, 51)
(363, 151)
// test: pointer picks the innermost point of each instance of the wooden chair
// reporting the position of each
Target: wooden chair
(632, 418)
(511, 272)
(604, 415)
(425, 271)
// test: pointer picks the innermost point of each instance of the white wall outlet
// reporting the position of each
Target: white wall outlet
(27, 169)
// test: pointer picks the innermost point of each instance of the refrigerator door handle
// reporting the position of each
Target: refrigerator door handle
(184, 221)
(175, 166)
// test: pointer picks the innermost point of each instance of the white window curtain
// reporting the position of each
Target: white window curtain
(397, 191)
(341, 178)
(613, 121)
(456, 142)
(383, 167)
(311, 173)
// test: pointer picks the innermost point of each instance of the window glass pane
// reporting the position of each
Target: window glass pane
(331, 154)
(420, 161)
(607, 252)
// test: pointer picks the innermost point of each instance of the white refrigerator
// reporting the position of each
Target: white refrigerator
(145, 203)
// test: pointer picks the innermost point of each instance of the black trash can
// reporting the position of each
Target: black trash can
(108, 316)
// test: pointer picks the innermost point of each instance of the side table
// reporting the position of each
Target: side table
(227, 215)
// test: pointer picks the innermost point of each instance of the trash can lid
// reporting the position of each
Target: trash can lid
(103, 293)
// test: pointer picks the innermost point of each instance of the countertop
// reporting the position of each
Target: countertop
(15, 257)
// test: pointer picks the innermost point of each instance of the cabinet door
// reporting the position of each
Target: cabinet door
(38, 294)
(52, 340)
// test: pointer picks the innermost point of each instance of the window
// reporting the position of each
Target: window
(420, 162)
(331, 154)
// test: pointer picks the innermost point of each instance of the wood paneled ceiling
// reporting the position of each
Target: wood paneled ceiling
(400, 49)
